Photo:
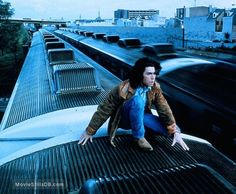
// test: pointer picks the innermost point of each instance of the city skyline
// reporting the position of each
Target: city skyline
(74, 9)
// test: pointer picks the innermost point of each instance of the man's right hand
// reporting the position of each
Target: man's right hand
(85, 137)
(172, 128)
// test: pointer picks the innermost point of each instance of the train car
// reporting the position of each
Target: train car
(202, 94)
(40, 152)
(208, 86)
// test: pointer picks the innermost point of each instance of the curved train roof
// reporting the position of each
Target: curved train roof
(100, 168)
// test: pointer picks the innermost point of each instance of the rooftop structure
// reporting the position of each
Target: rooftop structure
(132, 14)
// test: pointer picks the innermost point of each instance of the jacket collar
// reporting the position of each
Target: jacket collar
(125, 88)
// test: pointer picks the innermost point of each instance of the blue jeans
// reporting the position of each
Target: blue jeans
(134, 118)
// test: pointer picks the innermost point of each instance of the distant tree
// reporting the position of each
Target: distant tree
(12, 35)
(5, 10)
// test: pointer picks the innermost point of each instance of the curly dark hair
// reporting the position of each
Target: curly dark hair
(136, 74)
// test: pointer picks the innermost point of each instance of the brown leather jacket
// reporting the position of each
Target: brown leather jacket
(113, 103)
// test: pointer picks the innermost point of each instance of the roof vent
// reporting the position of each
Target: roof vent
(54, 45)
(51, 40)
(129, 42)
(60, 56)
(76, 77)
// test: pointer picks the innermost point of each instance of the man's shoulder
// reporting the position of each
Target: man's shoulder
(125, 88)
(124, 83)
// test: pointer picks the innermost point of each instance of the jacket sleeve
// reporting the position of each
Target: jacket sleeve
(163, 108)
(104, 111)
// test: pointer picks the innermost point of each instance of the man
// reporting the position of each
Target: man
(129, 107)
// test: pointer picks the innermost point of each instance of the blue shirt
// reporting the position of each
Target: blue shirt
(142, 91)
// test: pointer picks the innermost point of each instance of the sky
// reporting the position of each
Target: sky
(89, 9)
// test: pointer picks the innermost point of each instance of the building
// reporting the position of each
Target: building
(229, 21)
(217, 17)
(198, 11)
(134, 14)
(206, 24)
(180, 13)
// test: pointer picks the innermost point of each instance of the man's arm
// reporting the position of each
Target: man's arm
(164, 111)
(104, 111)
(167, 117)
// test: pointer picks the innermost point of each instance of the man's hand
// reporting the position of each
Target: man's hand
(172, 128)
(85, 137)
(178, 139)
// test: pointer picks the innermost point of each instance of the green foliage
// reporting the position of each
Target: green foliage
(12, 35)
(5, 10)
(8, 32)
(12, 38)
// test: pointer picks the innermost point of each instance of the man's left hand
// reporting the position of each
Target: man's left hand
(178, 139)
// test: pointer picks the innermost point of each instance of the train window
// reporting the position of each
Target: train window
(213, 81)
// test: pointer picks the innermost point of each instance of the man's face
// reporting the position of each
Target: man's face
(149, 76)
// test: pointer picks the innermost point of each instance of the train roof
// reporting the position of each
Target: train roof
(32, 92)
(98, 167)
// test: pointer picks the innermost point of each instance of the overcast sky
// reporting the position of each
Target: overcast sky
(89, 9)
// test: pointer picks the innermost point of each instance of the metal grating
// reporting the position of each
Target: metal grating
(73, 78)
(218, 161)
(182, 179)
(73, 165)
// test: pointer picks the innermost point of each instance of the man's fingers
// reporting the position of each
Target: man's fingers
(173, 143)
(185, 146)
(177, 139)
(85, 140)
(81, 140)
